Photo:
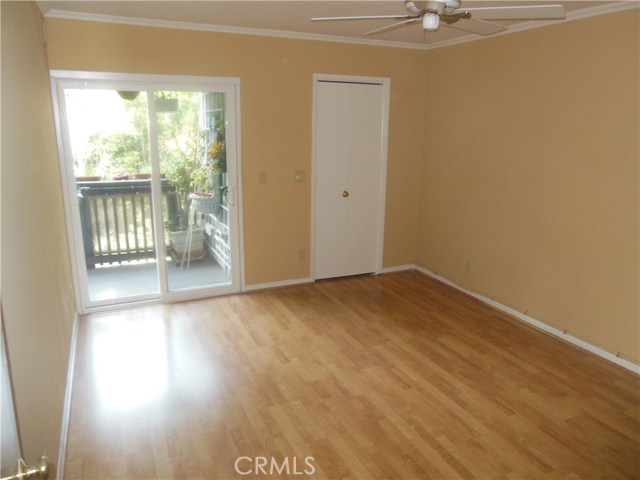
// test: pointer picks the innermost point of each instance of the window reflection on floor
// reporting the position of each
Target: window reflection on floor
(130, 362)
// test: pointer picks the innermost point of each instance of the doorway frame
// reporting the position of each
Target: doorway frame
(385, 83)
(230, 85)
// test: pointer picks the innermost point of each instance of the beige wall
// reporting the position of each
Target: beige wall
(37, 293)
(276, 96)
(517, 176)
(530, 174)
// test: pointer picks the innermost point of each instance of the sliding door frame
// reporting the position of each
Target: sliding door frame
(63, 79)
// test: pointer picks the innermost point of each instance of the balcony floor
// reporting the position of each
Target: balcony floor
(141, 278)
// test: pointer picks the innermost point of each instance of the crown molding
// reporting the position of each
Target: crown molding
(262, 32)
(145, 22)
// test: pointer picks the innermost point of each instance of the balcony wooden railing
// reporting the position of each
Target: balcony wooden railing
(117, 219)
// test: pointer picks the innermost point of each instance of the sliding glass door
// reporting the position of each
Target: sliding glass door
(151, 185)
(192, 150)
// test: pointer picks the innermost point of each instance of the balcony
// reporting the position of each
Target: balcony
(118, 237)
(117, 219)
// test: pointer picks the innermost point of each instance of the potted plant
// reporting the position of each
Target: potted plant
(203, 182)
(217, 154)
(181, 172)
(206, 178)
(197, 180)
(180, 243)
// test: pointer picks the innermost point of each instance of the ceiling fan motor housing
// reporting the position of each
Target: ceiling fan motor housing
(431, 6)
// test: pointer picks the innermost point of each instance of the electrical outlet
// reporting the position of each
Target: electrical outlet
(467, 266)
(262, 177)
(302, 255)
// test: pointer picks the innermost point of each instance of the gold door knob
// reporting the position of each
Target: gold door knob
(345, 194)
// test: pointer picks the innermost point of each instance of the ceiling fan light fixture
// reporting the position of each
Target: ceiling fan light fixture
(430, 21)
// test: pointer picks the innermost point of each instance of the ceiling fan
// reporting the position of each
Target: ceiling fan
(431, 12)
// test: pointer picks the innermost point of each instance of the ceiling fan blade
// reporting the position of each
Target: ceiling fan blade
(537, 12)
(394, 25)
(362, 17)
(476, 26)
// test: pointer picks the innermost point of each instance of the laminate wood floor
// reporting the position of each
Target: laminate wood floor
(396, 376)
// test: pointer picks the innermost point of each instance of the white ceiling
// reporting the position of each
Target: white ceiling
(292, 18)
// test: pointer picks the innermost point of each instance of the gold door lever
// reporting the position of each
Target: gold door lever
(345, 194)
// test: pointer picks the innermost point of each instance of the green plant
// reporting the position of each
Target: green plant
(201, 180)
(217, 156)
(173, 225)
(202, 177)
(183, 161)
(179, 172)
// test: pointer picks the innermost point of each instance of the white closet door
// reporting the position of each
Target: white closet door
(350, 150)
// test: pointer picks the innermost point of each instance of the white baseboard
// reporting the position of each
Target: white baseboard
(556, 332)
(66, 408)
(283, 283)
(399, 268)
